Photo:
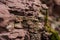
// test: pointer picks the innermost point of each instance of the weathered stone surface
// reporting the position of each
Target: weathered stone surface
(24, 19)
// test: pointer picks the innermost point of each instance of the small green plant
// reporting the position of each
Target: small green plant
(55, 35)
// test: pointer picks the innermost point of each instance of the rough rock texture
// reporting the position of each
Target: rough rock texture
(24, 19)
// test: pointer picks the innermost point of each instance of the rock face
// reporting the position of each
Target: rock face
(24, 19)
(57, 2)
(54, 6)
